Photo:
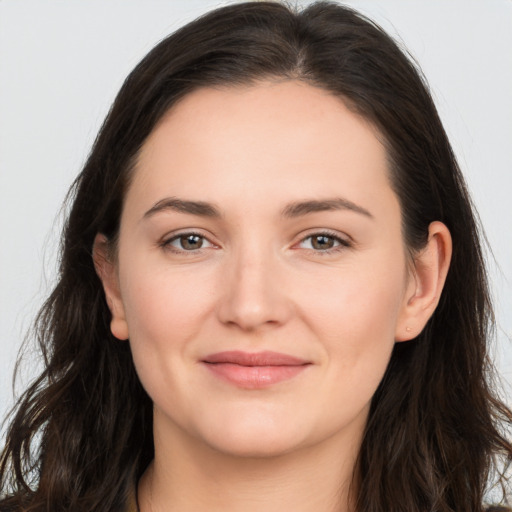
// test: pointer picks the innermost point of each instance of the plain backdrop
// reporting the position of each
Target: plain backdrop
(62, 62)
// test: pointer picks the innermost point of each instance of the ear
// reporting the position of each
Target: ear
(107, 272)
(425, 282)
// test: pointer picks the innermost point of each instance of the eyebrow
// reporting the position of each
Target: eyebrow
(299, 208)
(292, 210)
(200, 208)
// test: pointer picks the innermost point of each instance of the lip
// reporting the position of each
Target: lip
(254, 370)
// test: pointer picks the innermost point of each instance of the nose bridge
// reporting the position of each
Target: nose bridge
(253, 296)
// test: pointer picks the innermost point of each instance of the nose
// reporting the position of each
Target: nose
(254, 295)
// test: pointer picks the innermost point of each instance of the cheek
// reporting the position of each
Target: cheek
(165, 311)
(357, 331)
(355, 317)
(360, 302)
(164, 304)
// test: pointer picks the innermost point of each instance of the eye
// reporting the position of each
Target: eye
(324, 242)
(187, 242)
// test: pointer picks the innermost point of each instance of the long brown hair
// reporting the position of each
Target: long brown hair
(82, 433)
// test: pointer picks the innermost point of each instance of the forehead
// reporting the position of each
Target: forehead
(269, 139)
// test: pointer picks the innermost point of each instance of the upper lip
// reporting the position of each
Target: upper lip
(266, 358)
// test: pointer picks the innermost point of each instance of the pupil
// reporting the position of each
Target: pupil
(322, 242)
(191, 242)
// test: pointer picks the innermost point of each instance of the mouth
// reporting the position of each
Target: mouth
(254, 370)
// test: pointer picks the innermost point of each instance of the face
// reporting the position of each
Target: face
(261, 275)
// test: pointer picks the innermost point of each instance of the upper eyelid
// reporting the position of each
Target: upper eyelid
(166, 242)
(182, 232)
(342, 237)
(342, 243)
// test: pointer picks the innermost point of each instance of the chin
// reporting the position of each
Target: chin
(254, 446)
(251, 437)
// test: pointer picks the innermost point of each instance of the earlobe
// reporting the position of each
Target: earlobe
(107, 272)
(426, 283)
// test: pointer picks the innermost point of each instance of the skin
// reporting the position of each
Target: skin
(259, 282)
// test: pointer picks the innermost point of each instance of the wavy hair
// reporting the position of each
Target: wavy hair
(81, 435)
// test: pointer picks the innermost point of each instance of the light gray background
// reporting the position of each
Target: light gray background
(61, 63)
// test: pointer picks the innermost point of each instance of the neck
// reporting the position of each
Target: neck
(188, 475)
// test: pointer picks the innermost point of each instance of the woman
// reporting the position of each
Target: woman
(272, 293)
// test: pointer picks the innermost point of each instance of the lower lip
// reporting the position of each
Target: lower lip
(254, 377)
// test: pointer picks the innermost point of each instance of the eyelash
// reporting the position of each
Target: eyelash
(166, 244)
(342, 243)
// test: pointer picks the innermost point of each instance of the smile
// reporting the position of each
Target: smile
(254, 370)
